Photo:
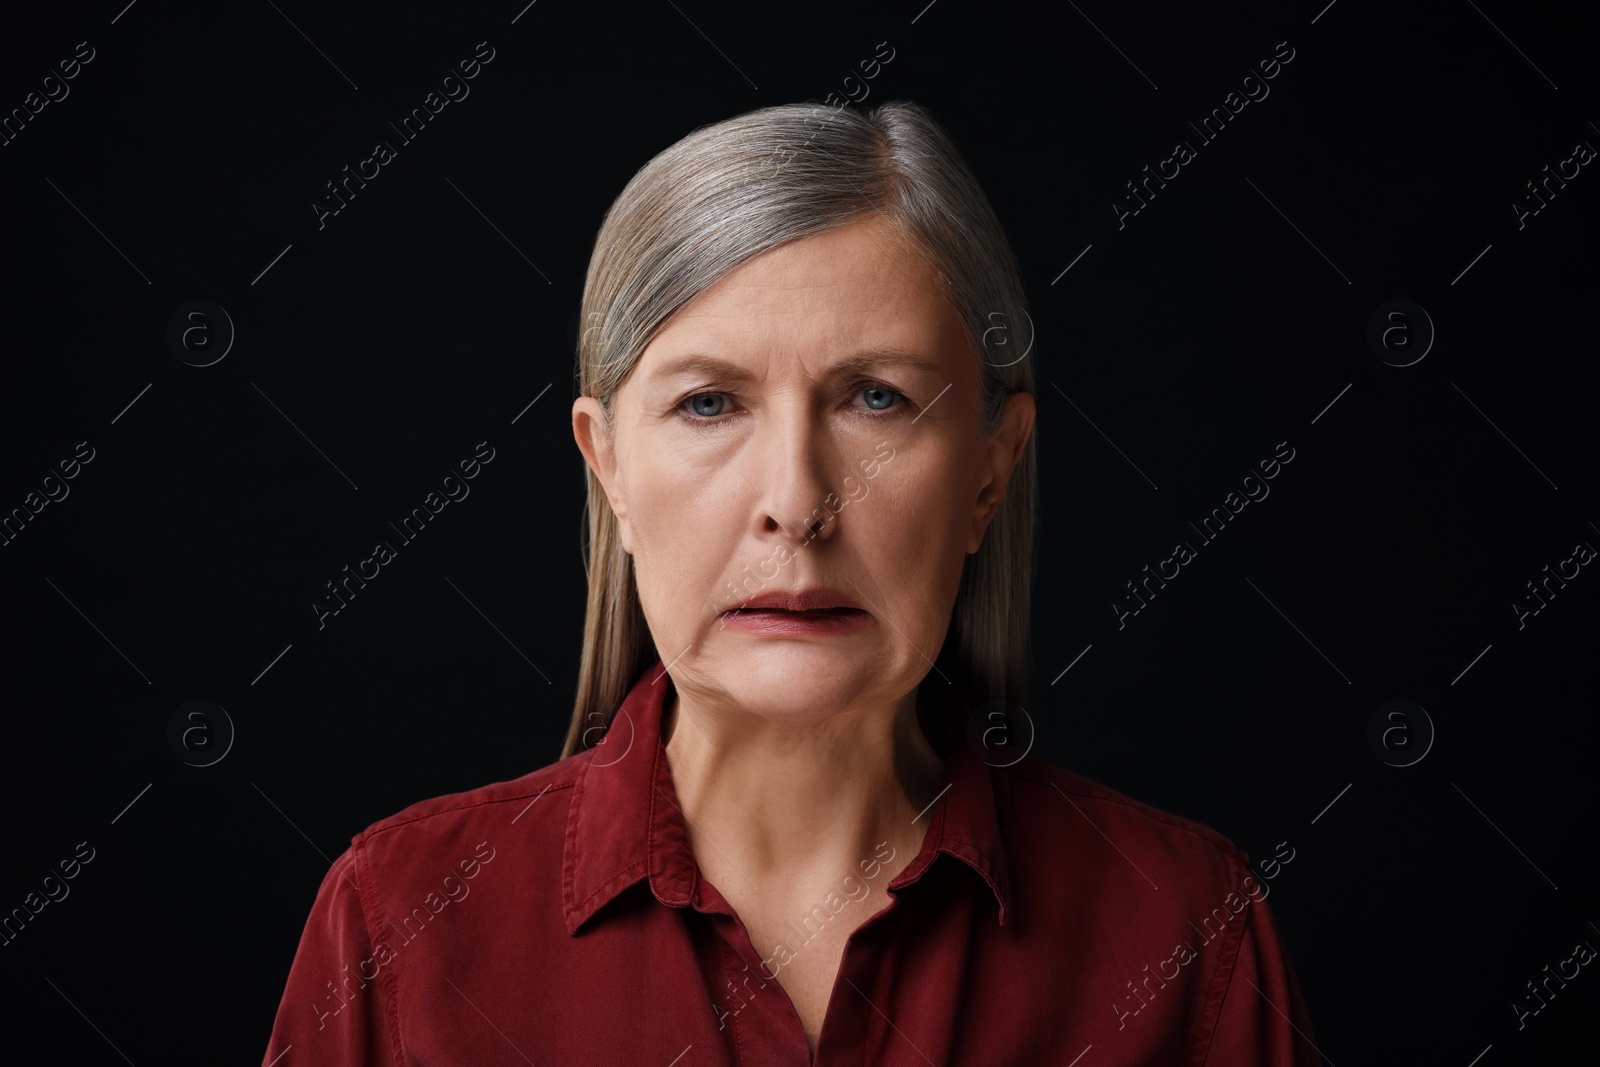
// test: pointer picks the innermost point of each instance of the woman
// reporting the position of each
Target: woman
(779, 832)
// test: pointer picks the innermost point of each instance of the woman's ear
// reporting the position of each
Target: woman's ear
(1004, 450)
(591, 428)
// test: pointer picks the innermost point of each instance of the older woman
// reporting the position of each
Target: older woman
(783, 830)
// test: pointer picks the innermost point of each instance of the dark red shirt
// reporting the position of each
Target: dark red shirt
(560, 920)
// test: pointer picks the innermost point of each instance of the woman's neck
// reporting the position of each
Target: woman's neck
(798, 804)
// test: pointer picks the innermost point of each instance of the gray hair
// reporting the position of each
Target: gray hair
(738, 188)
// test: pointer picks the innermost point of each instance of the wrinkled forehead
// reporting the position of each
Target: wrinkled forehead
(812, 303)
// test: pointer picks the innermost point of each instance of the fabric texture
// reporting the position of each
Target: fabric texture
(560, 919)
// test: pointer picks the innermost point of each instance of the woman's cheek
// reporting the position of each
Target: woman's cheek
(660, 508)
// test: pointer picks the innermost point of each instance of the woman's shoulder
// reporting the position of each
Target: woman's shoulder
(521, 805)
(1048, 807)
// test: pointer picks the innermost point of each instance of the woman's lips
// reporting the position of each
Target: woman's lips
(775, 622)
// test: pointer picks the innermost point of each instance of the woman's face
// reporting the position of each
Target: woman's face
(808, 424)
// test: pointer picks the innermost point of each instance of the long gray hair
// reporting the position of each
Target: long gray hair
(731, 191)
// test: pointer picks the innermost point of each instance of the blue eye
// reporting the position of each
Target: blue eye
(887, 395)
(697, 401)
(710, 407)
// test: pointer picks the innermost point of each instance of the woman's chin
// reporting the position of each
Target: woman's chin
(803, 681)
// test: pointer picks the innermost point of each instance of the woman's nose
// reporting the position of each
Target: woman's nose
(796, 477)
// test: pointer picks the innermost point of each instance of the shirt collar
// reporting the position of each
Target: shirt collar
(624, 823)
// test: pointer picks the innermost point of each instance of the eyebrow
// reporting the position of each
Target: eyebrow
(858, 363)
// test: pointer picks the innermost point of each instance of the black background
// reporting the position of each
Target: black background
(1224, 318)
